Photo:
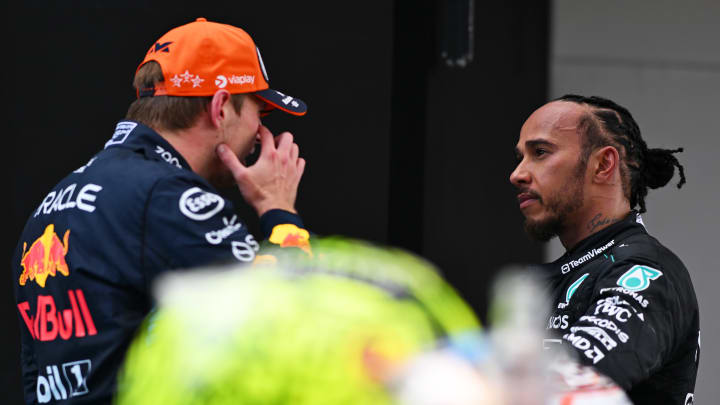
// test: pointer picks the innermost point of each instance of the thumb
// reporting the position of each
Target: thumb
(230, 160)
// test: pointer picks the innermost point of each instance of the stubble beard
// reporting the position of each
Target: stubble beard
(560, 206)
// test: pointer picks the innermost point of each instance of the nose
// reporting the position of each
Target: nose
(520, 176)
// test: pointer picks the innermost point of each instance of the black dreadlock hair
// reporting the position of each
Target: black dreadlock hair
(615, 126)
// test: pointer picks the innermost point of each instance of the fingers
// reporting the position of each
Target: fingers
(294, 152)
(300, 167)
(267, 141)
(230, 160)
(285, 144)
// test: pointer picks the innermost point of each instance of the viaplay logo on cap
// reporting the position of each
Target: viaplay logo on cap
(221, 81)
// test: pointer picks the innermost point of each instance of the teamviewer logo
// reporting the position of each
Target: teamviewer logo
(221, 81)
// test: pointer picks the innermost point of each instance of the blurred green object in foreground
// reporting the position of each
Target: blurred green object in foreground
(328, 329)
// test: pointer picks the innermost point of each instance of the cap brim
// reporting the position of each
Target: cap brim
(289, 104)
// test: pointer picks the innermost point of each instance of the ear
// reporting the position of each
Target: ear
(607, 162)
(220, 100)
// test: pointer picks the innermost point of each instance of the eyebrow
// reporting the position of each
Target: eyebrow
(533, 143)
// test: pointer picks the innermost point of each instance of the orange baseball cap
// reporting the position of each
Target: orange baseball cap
(202, 57)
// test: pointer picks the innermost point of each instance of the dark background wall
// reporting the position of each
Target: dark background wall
(401, 148)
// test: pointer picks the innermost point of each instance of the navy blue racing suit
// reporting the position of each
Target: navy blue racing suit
(85, 263)
(626, 305)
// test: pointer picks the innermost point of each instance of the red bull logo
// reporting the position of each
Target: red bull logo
(51, 322)
(289, 235)
(46, 257)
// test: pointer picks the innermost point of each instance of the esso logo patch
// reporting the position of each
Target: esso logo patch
(198, 204)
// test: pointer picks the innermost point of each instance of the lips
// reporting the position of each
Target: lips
(527, 198)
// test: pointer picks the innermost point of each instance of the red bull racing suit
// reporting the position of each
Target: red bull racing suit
(86, 260)
(626, 305)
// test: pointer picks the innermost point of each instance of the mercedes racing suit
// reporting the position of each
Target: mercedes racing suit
(627, 306)
(87, 257)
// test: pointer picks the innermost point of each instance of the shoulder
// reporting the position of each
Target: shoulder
(642, 269)
(645, 250)
(194, 196)
(127, 163)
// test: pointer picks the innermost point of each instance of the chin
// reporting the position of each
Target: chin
(543, 229)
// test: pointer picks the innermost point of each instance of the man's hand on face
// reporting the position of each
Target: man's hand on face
(272, 182)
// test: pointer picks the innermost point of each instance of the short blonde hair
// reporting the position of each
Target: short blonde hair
(170, 113)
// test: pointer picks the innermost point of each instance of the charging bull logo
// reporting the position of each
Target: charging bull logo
(46, 257)
(289, 235)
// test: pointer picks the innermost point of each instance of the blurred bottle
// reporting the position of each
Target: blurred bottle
(518, 365)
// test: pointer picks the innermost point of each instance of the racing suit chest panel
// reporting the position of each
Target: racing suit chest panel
(630, 311)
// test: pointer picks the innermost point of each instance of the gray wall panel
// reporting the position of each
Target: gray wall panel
(661, 60)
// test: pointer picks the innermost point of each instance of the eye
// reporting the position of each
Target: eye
(539, 152)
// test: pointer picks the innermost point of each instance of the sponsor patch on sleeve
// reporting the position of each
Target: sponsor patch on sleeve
(199, 205)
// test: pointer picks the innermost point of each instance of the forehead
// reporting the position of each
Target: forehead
(555, 122)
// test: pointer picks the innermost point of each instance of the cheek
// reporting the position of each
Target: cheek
(252, 123)
(549, 178)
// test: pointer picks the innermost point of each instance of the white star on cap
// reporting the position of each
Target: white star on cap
(176, 80)
(186, 76)
(196, 81)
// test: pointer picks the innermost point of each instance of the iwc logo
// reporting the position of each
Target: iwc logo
(638, 278)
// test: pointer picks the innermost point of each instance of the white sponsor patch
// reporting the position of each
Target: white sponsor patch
(231, 226)
(242, 79)
(167, 156)
(637, 297)
(122, 130)
(590, 351)
(606, 324)
(598, 333)
(66, 199)
(52, 387)
(612, 307)
(199, 205)
(245, 251)
(221, 81)
(572, 264)
(558, 322)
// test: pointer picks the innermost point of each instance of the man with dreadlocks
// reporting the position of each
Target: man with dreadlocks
(623, 302)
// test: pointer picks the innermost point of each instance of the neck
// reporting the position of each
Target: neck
(192, 145)
(592, 220)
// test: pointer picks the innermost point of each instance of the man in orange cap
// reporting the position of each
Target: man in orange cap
(147, 203)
